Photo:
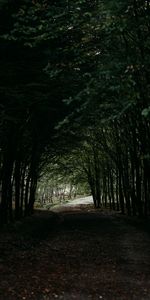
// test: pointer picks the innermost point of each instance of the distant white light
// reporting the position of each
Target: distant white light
(77, 69)
(97, 53)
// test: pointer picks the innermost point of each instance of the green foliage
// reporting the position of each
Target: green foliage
(146, 112)
(77, 76)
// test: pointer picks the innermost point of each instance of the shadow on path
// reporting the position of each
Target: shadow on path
(75, 254)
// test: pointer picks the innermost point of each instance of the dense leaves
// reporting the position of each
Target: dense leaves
(75, 75)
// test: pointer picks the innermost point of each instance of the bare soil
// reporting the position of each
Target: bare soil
(79, 254)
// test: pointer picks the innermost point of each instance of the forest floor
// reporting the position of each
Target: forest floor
(79, 254)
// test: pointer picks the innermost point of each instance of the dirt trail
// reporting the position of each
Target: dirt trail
(79, 254)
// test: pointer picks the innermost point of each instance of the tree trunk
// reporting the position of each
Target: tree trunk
(6, 200)
(17, 189)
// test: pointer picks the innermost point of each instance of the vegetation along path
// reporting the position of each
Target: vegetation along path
(80, 254)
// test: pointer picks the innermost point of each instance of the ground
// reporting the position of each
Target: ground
(75, 253)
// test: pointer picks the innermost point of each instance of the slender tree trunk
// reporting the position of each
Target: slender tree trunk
(17, 189)
(6, 200)
(97, 178)
(26, 197)
(138, 189)
(112, 191)
(146, 186)
(133, 196)
(32, 195)
(22, 189)
(121, 197)
(109, 192)
(117, 190)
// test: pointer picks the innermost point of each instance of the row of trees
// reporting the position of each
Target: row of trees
(61, 181)
(28, 116)
(75, 74)
(39, 69)
(115, 113)
(123, 163)
(117, 170)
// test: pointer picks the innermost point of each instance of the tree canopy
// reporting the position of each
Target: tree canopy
(75, 75)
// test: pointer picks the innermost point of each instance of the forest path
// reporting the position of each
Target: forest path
(73, 204)
(78, 254)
